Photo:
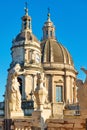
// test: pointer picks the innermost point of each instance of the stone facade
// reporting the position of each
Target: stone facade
(51, 124)
(66, 124)
(41, 91)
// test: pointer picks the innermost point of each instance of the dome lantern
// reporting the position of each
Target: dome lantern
(52, 50)
(48, 28)
(26, 21)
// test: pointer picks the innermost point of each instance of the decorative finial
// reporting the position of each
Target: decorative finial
(48, 14)
(26, 8)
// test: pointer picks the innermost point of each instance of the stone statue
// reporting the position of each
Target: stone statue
(82, 93)
(42, 106)
(40, 92)
(13, 89)
(40, 80)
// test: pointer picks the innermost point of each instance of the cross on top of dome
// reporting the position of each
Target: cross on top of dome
(26, 20)
(48, 18)
(26, 8)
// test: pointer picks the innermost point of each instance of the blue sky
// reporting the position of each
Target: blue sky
(68, 16)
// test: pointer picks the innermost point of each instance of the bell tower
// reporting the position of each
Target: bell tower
(26, 52)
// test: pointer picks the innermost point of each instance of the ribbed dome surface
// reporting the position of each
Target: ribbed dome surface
(52, 51)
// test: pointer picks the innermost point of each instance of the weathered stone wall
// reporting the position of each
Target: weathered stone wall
(52, 124)
(15, 124)
(67, 124)
(2, 124)
(21, 125)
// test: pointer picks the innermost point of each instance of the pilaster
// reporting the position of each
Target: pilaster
(67, 89)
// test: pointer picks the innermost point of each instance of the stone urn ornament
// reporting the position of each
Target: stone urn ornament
(40, 92)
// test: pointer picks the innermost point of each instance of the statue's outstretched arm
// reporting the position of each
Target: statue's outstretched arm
(84, 70)
(79, 83)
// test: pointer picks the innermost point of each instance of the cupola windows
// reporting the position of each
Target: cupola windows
(26, 21)
(50, 33)
(48, 29)
(47, 34)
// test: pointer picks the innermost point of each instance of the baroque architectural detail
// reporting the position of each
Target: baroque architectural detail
(13, 95)
(40, 92)
(41, 85)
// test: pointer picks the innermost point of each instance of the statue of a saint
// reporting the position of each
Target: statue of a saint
(14, 92)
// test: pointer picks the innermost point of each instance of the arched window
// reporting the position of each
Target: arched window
(25, 24)
(47, 34)
(50, 33)
(20, 82)
(29, 24)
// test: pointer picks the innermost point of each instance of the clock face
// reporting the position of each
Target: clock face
(37, 58)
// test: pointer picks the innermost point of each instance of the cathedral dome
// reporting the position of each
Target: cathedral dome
(25, 35)
(26, 32)
(26, 48)
(53, 51)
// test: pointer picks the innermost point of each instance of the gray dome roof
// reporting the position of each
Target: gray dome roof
(22, 36)
(52, 51)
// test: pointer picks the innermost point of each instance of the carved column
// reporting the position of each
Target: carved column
(67, 89)
(32, 82)
(35, 81)
(72, 91)
(26, 56)
(53, 99)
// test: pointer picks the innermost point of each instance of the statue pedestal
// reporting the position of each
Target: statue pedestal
(39, 117)
(14, 114)
(40, 95)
